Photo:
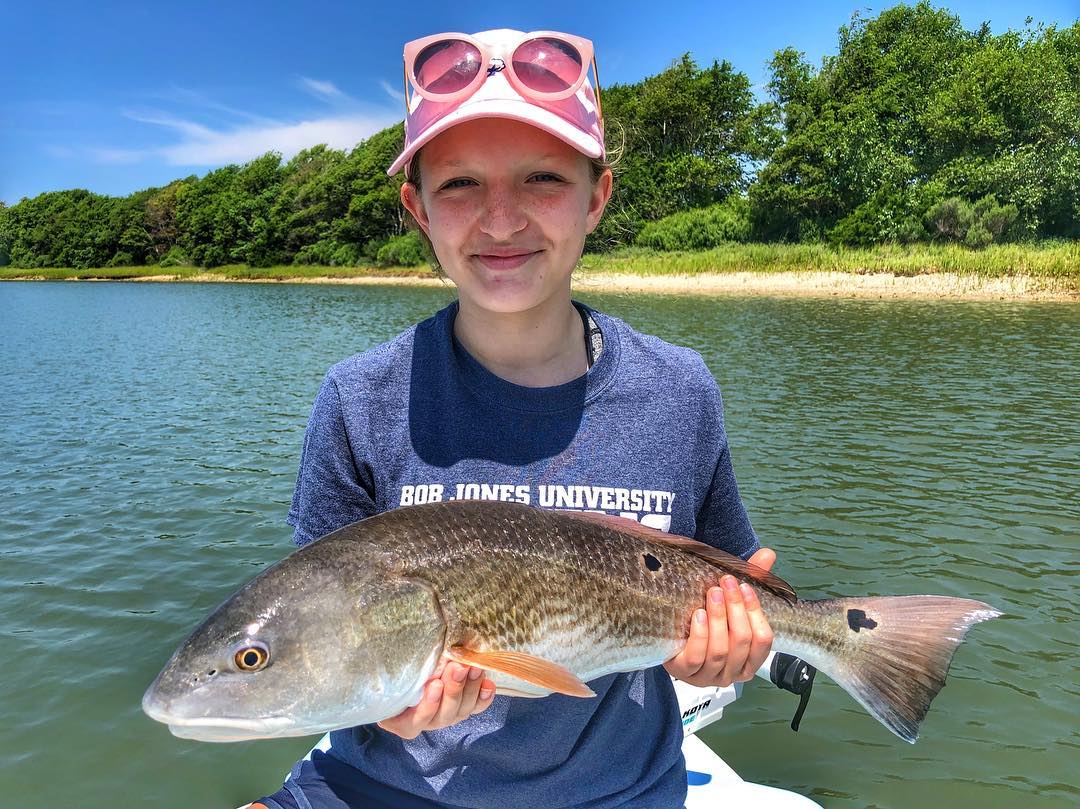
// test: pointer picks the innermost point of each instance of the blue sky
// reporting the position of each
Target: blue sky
(119, 96)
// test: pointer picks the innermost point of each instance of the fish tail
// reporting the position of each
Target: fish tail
(896, 651)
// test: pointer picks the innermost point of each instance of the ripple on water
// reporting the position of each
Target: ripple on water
(881, 447)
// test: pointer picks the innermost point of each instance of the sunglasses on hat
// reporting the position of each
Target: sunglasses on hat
(541, 65)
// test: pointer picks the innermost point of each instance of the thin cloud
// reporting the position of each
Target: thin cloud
(204, 146)
(396, 93)
(184, 95)
(324, 90)
(195, 139)
(189, 128)
(245, 144)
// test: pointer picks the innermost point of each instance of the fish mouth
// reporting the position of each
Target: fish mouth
(229, 728)
(220, 728)
(233, 729)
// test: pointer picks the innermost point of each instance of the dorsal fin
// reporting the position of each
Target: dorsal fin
(723, 560)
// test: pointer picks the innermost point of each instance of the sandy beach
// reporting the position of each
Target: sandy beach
(802, 284)
(840, 284)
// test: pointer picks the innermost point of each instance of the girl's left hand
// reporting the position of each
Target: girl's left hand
(730, 638)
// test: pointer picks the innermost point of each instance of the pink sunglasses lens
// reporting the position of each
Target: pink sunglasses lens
(547, 65)
(447, 66)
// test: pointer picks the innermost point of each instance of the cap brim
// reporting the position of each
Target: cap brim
(513, 109)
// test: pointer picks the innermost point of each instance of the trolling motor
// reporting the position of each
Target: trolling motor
(703, 706)
(797, 676)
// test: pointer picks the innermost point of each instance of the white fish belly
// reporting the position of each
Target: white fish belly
(587, 656)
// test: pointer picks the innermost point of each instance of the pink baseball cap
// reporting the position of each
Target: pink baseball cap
(574, 119)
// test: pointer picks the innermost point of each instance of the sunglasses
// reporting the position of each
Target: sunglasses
(542, 65)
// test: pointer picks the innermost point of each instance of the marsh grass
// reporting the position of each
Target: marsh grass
(1047, 260)
(1057, 260)
(238, 272)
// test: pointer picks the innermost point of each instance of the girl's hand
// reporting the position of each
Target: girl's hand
(450, 696)
(730, 638)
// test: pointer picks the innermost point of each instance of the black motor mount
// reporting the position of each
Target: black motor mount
(797, 676)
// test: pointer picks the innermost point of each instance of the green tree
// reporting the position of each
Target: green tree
(314, 193)
(1009, 124)
(224, 218)
(5, 235)
(690, 139)
(851, 133)
(914, 109)
(64, 228)
(161, 225)
(375, 213)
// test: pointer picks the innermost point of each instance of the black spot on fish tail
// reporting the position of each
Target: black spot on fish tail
(652, 562)
(856, 619)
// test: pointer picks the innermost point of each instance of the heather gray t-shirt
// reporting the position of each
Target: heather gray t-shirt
(640, 435)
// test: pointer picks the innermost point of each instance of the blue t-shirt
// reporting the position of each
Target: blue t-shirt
(640, 435)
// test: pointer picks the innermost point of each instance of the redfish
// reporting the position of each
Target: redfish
(347, 630)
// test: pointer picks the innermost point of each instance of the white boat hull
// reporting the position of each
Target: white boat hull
(711, 783)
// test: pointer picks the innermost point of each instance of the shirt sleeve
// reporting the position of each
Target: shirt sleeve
(333, 487)
(722, 520)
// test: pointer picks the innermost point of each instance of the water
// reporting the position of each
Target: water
(150, 436)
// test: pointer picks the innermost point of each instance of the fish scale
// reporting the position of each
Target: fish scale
(505, 600)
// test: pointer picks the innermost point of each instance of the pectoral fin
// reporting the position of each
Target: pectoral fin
(526, 667)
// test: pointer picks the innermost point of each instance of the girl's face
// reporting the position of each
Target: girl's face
(507, 207)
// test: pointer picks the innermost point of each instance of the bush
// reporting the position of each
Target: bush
(346, 255)
(406, 250)
(978, 236)
(976, 225)
(329, 253)
(995, 219)
(889, 215)
(174, 258)
(699, 228)
(370, 251)
(121, 259)
(951, 218)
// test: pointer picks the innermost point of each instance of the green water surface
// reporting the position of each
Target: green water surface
(149, 441)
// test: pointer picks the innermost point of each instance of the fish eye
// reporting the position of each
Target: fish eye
(252, 657)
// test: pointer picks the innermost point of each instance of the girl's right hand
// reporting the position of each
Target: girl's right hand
(455, 694)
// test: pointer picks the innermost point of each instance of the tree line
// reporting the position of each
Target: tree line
(917, 130)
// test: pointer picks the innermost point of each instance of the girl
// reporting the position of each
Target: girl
(515, 391)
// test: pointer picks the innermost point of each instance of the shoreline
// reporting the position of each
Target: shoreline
(836, 284)
(808, 283)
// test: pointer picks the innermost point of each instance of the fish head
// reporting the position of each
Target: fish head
(314, 643)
